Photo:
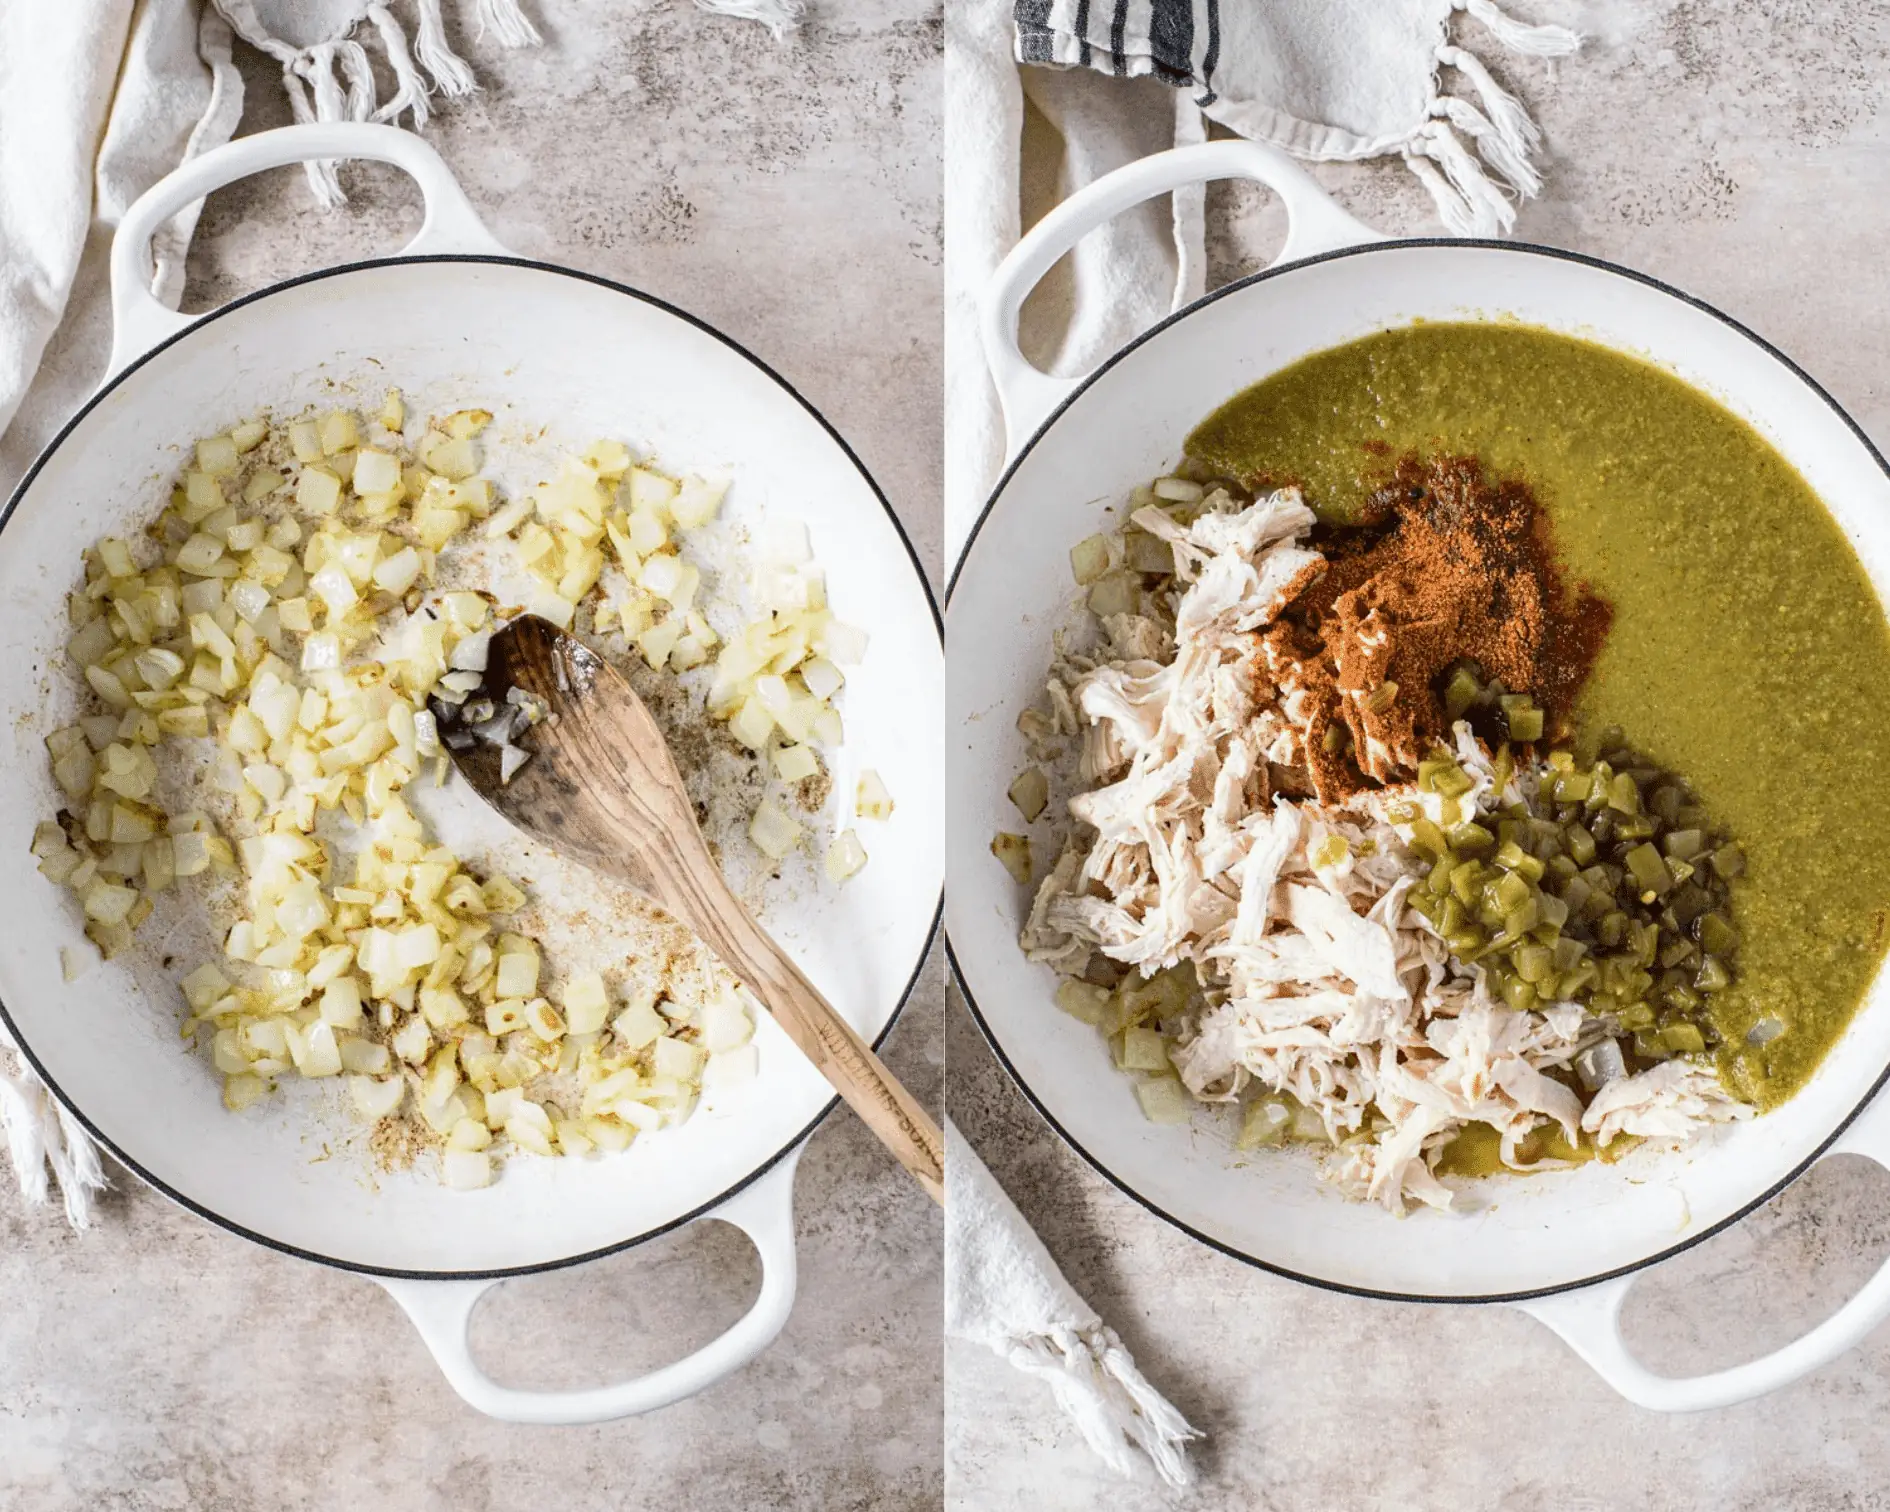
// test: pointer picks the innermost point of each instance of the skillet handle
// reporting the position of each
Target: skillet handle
(1315, 224)
(140, 322)
(1589, 1320)
(442, 1311)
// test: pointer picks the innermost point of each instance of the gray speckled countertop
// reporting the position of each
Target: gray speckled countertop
(789, 197)
(1742, 152)
(158, 1363)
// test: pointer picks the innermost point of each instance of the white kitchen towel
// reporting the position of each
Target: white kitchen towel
(1002, 1290)
(1324, 79)
(98, 99)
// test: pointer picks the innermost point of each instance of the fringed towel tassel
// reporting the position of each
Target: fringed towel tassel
(450, 74)
(781, 17)
(1502, 107)
(26, 1140)
(76, 1164)
(1500, 154)
(352, 57)
(42, 1136)
(1096, 1383)
(318, 68)
(1536, 41)
(315, 67)
(334, 80)
(507, 22)
(1468, 202)
(322, 182)
(410, 91)
(1502, 130)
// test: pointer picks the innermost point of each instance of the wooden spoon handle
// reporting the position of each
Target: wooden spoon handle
(848, 1062)
(825, 1038)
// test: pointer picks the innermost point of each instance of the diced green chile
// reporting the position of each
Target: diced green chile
(1608, 888)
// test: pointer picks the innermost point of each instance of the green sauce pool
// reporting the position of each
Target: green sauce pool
(1749, 651)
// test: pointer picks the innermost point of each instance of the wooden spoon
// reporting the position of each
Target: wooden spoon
(601, 787)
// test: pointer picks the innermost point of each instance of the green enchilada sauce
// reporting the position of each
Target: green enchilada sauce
(1749, 651)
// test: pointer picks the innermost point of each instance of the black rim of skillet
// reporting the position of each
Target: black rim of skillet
(932, 930)
(958, 973)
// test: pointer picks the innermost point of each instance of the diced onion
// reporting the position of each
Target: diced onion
(1030, 792)
(1089, 559)
(339, 432)
(845, 856)
(676, 1058)
(586, 1003)
(697, 501)
(240, 1092)
(794, 762)
(466, 1170)
(108, 903)
(469, 655)
(1180, 490)
(822, 677)
(1164, 1100)
(1117, 593)
(375, 471)
(317, 491)
(321, 1053)
(773, 832)
(377, 1099)
(871, 800)
(752, 724)
(725, 1024)
(638, 1025)
(397, 573)
(1014, 852)
(321, 653)
(249, 600)
(361, 1057)
(279, 615)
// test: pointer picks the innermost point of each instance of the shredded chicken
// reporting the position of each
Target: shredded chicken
(1669, 1101)
(1316, 979)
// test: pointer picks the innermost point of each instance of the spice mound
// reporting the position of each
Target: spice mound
(1449, 601)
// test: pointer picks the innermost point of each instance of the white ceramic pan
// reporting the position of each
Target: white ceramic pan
(454, 321)
(1564, 1247)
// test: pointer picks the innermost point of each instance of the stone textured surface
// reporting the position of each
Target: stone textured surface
(1737, 150)
(789, 196)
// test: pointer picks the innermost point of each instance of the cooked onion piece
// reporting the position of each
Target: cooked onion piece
(283, 610)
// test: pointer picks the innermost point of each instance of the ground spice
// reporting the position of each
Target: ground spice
(1447, 565)
(396, 1143)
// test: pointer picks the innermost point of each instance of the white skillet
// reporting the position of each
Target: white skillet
(454, 321)
(1563, 1247)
